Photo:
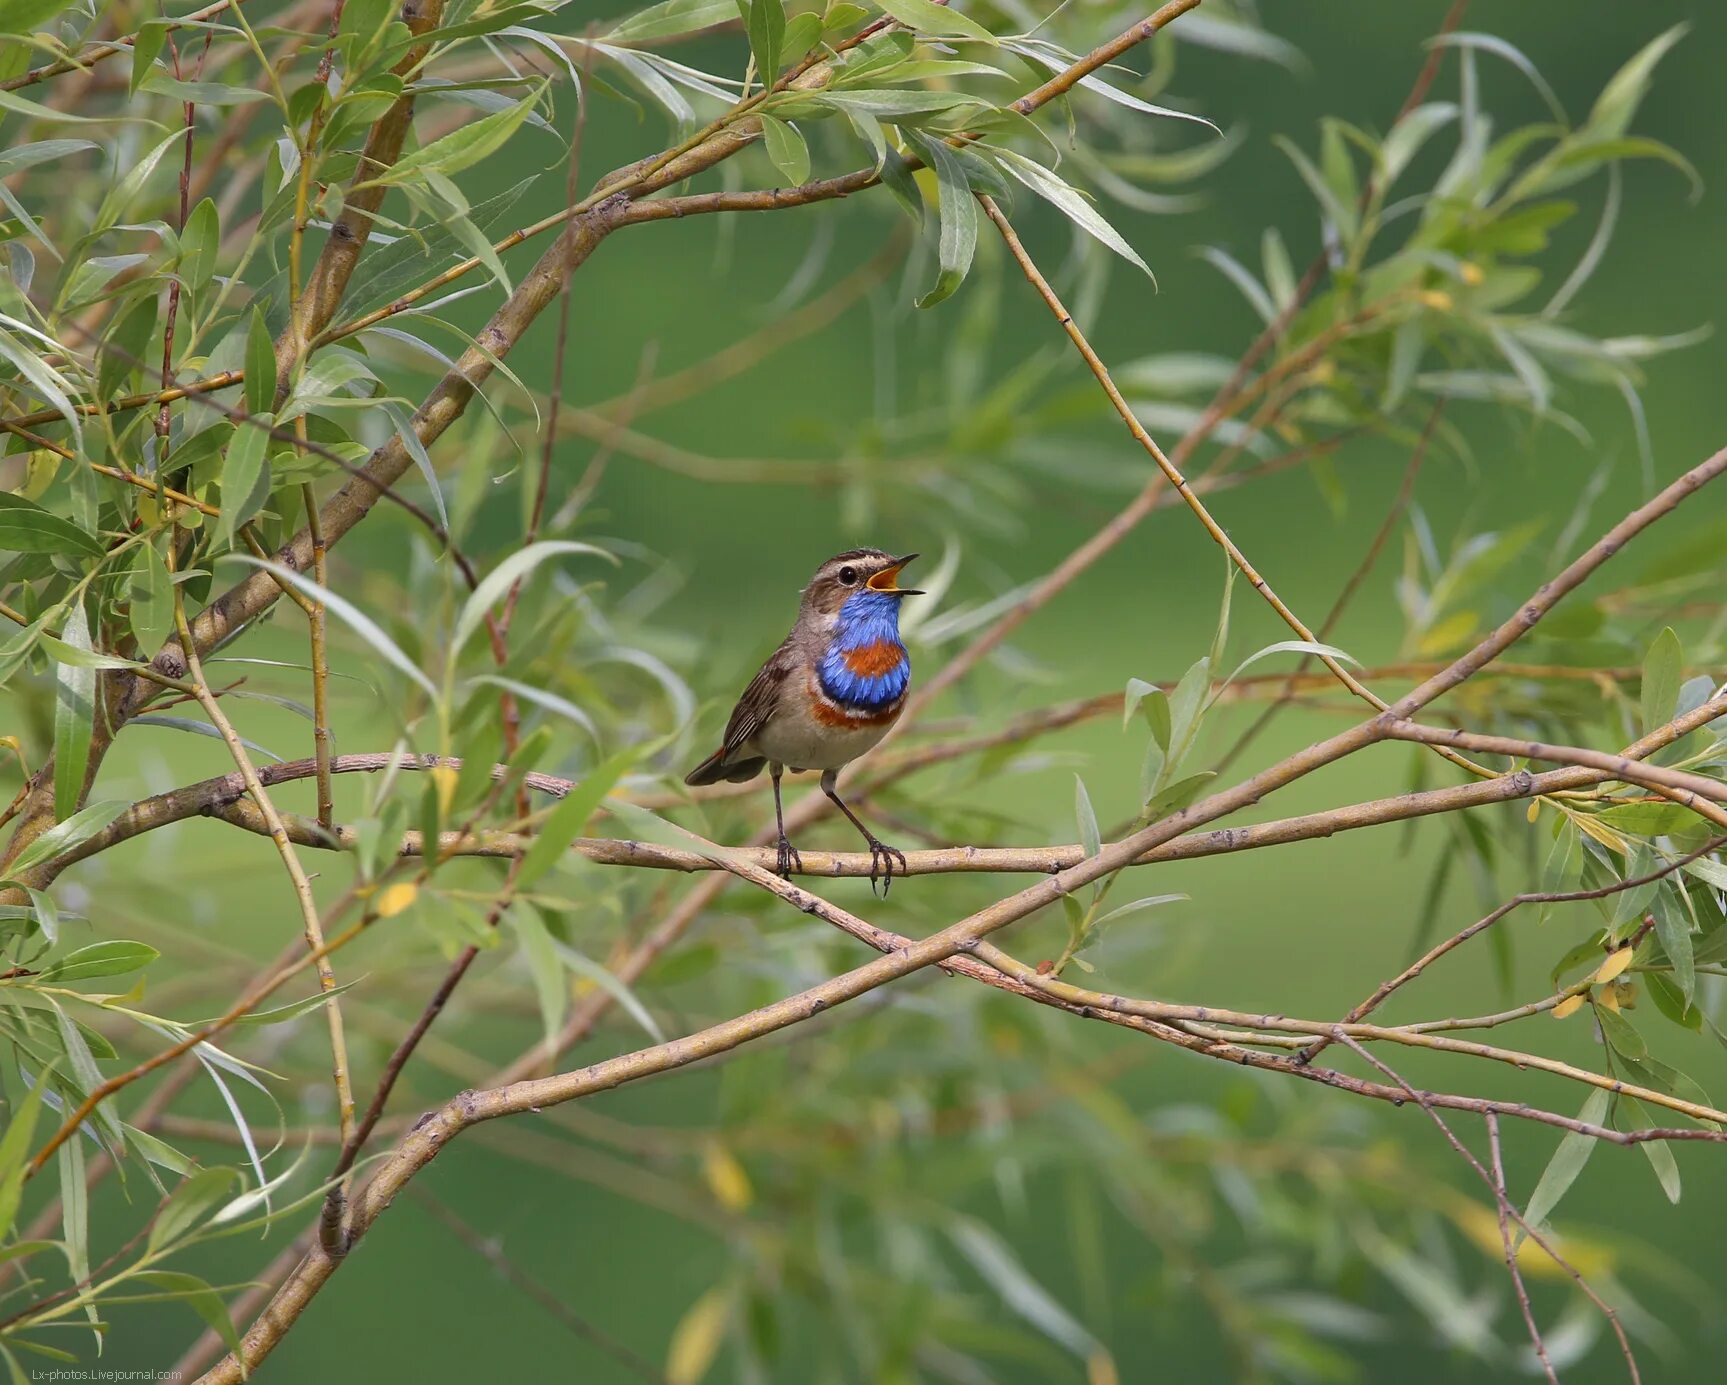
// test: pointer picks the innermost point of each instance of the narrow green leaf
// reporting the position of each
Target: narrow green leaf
(62, 837)
(114, 958)
(672, 18)
(585, 966)
(1185, 710)
(125, 345)
(74, 717)
(568, 819)
(507, 573)
(1621, 1034)
(1137, 906)
(994, 1259)
(1071, 204)
(786, 150)
(1137, 691)
(929, 18)
(1626, 89)
(209, 1305)
(1663, 671)
(1340, 213)
(1673, 928)
(293, 1010)
(1089, 835)
(765, 23)
(803, 32)
(462, 148)
(25, 527)
(958, 223)
(15, 1151)
(1658, 1153)
(887, 104)
(145, 50)
(551, 985)
(151, 589)
(260, 365)
(1567, 1162)
(1174, 797)
(188, 1205)
(1220, 638)
(75, 1219)
(351, 616)
(200, 241)
(27, 16)
(1290, 647)
(245, 478)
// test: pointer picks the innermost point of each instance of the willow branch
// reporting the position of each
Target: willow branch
(224, 797)
(473, 1107)
(1357, 578)
(1697, 792)
(1506, 1207)
(87, 58)
(1502, 1200)
(1172, 473)
(1383, 992)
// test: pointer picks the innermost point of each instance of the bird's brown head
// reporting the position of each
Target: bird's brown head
(845, 575)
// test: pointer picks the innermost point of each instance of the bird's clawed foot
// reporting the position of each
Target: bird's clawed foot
(881, 859)
(788, 860)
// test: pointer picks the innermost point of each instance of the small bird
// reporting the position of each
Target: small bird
(826, 695)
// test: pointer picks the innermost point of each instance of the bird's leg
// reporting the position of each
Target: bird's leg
(789, 860)
(881, 855)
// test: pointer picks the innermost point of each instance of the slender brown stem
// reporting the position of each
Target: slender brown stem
(1502, 1204)
(1387, 526)
(1507, 1208)
(1384, 990)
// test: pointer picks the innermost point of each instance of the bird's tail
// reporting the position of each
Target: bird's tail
(714, 770)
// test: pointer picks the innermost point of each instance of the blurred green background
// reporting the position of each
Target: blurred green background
(1336, 915)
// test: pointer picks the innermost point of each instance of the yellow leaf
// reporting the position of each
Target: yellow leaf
(1100, 1369)
(445, 778)
(1607, 999)
(1534, 809)
(1435, 299)
(1602, 833)
(1616, 962)
(697, 1338)
(1569, 1006)
(1480, 1223)
(727, 1180)
(397, 897)
(1448, 634)
(39, 474)
(1471, 274)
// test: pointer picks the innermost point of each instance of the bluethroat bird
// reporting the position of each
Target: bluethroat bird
(826, 695)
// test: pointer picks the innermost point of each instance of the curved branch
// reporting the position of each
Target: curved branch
(438, 1128)
(224, 797)
(1697, 792)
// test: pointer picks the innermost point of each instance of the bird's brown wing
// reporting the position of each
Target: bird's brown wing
(754, 709)
(760, 699)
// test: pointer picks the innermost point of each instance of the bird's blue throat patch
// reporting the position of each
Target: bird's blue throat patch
(866, 666)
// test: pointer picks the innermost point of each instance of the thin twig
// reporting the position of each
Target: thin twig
(1387, 526)
(1506, 1206)
(1366, 1007)
(489, 1250)
(1502, 1203)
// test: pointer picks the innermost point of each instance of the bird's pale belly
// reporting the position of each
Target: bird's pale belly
(815, 733)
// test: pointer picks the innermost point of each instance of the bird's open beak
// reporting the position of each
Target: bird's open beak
(887, 580)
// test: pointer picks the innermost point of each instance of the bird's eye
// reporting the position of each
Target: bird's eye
(849, 576)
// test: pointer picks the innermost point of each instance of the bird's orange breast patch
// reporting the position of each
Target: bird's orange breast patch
(873, 660)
